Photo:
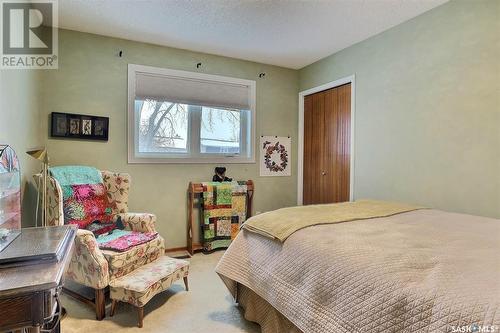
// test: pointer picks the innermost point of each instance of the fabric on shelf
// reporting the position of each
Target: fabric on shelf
(224, 211)
(76, 175)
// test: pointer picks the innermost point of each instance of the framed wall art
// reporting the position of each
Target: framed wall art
(79, 126)
(275, 156)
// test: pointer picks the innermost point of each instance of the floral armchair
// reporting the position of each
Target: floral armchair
(91, 266)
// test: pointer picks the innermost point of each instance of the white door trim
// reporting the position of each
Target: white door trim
(300, 166)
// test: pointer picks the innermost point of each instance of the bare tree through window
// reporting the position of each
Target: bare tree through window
(160, 123)
(163, 127)
(220, 131)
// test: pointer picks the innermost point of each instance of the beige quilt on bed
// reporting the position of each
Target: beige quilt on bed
(419, 271)
(281, 223)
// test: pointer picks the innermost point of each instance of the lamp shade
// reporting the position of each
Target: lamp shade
(39, 154)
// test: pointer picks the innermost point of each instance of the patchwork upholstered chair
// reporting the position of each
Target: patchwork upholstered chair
(93, 267)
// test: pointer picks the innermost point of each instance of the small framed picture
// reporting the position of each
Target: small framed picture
(100, 125)
(59, 125)
(86, 126)
(78, 126)
(74, 126)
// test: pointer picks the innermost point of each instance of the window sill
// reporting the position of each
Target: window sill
(202, 160)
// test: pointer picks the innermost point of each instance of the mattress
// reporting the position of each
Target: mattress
(419, 271)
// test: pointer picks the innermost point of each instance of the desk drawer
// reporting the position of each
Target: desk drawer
(16, 310)
(26, 310)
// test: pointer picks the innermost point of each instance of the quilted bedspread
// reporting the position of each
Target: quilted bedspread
(281, 223)
(419, 271)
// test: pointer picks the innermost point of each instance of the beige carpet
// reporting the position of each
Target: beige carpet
(207, 307)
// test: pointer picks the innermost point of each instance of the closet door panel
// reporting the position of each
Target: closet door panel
(307, 158)
(313, 148)
(318, 146)
(330, 184)
(344, 142)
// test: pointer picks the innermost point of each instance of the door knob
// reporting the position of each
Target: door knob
(323, 173)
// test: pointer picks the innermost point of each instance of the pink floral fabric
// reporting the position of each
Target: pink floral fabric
(84, 204)
(129, 241)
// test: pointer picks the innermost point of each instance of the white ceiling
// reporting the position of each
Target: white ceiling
(288, 33)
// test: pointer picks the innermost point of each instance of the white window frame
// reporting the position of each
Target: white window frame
(179, 158)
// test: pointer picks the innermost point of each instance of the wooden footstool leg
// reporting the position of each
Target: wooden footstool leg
(140, 313)
(186, 283)
(113, 307)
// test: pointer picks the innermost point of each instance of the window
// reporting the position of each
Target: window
(184, 117)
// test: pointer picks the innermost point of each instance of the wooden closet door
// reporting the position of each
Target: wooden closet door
(313, 147)
(327, 146)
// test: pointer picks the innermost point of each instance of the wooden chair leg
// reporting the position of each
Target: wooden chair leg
(140, 313)
(113, 308)
(186, 283)
(100, 305)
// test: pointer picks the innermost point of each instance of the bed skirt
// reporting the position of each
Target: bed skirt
(258, 310)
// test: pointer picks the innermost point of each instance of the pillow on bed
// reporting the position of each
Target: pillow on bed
(84, 204)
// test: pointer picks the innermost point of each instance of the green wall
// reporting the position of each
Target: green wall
(427, 126)
(427, 113)
(92, 79)
(20, 128)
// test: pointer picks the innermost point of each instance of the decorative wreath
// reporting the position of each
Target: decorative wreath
(270, 150)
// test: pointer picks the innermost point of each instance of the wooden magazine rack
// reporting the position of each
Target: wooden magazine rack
(195, 189)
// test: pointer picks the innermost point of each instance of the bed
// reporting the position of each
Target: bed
(421, 270)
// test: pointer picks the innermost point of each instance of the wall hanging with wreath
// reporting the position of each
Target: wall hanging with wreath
(275, 156)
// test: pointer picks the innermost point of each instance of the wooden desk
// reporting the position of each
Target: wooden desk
(29, 295)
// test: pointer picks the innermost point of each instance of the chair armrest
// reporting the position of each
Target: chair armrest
(141, 222)
(88, 265)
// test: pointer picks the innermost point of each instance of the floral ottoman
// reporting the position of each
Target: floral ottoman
(139, 286)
